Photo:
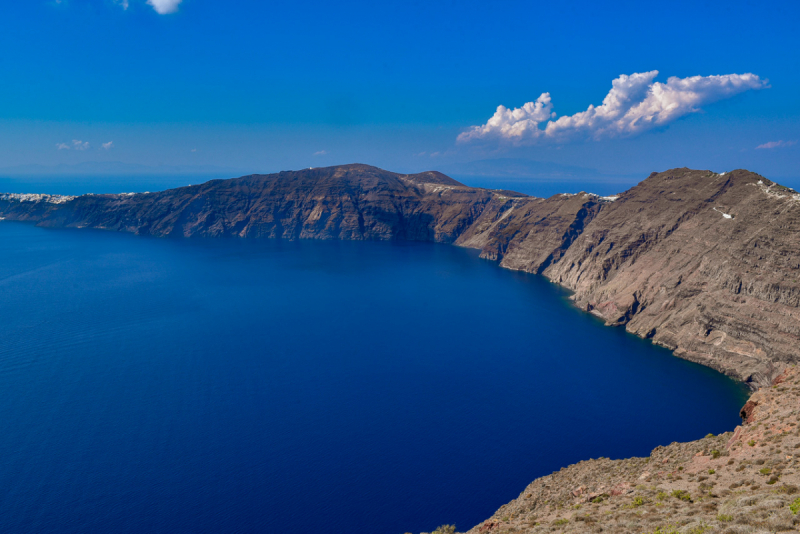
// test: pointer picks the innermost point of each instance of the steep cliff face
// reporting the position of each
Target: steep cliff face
(703, 263)
(346, 202)
(531, 234)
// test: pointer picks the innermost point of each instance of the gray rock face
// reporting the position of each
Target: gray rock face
(705, 264)
(702, 263)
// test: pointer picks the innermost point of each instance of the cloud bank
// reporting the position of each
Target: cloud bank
(164, 7)
(776, 144)
(635, 104)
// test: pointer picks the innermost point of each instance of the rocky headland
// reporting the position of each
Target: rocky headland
(705, 264)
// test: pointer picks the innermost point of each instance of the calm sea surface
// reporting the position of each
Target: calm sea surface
(239, 386)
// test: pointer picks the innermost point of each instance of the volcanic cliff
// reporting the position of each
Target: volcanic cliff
(703, 263)
(706, 264)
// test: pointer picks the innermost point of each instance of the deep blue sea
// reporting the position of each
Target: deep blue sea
(189, 386)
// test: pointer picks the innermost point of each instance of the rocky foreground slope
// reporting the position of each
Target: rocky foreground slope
(739, 482)
(706, 264)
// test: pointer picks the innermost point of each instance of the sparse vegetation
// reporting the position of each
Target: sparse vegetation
(638, 501)
(795, 506)
(682, 495)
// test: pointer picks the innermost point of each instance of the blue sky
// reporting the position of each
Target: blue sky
(255, 86)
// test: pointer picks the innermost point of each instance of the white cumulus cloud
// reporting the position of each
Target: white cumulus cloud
(776, 144)
(108, 146)
(635, 103)
(321, 153)
(164, 7)
(62, 146)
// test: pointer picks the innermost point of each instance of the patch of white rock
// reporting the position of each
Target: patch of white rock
(610, 198)
(725, 215)
(778, 191)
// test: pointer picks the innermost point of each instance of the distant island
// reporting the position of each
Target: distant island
(706, 264)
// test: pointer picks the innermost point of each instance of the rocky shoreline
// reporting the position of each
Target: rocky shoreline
(744, 481)
(705, 264)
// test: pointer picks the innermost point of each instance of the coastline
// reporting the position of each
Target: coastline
(658, 259)
(750, 386)
(740, 481)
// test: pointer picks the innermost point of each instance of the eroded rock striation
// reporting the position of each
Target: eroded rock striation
(705, 264)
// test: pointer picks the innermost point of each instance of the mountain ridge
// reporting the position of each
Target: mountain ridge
(644, 259)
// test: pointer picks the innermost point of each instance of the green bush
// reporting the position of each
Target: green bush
(715, 454)
(724, 517)
(795, 506)
(445, 529)
(559, 522)
(599, 498)
(682, 495)
(711, 471)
